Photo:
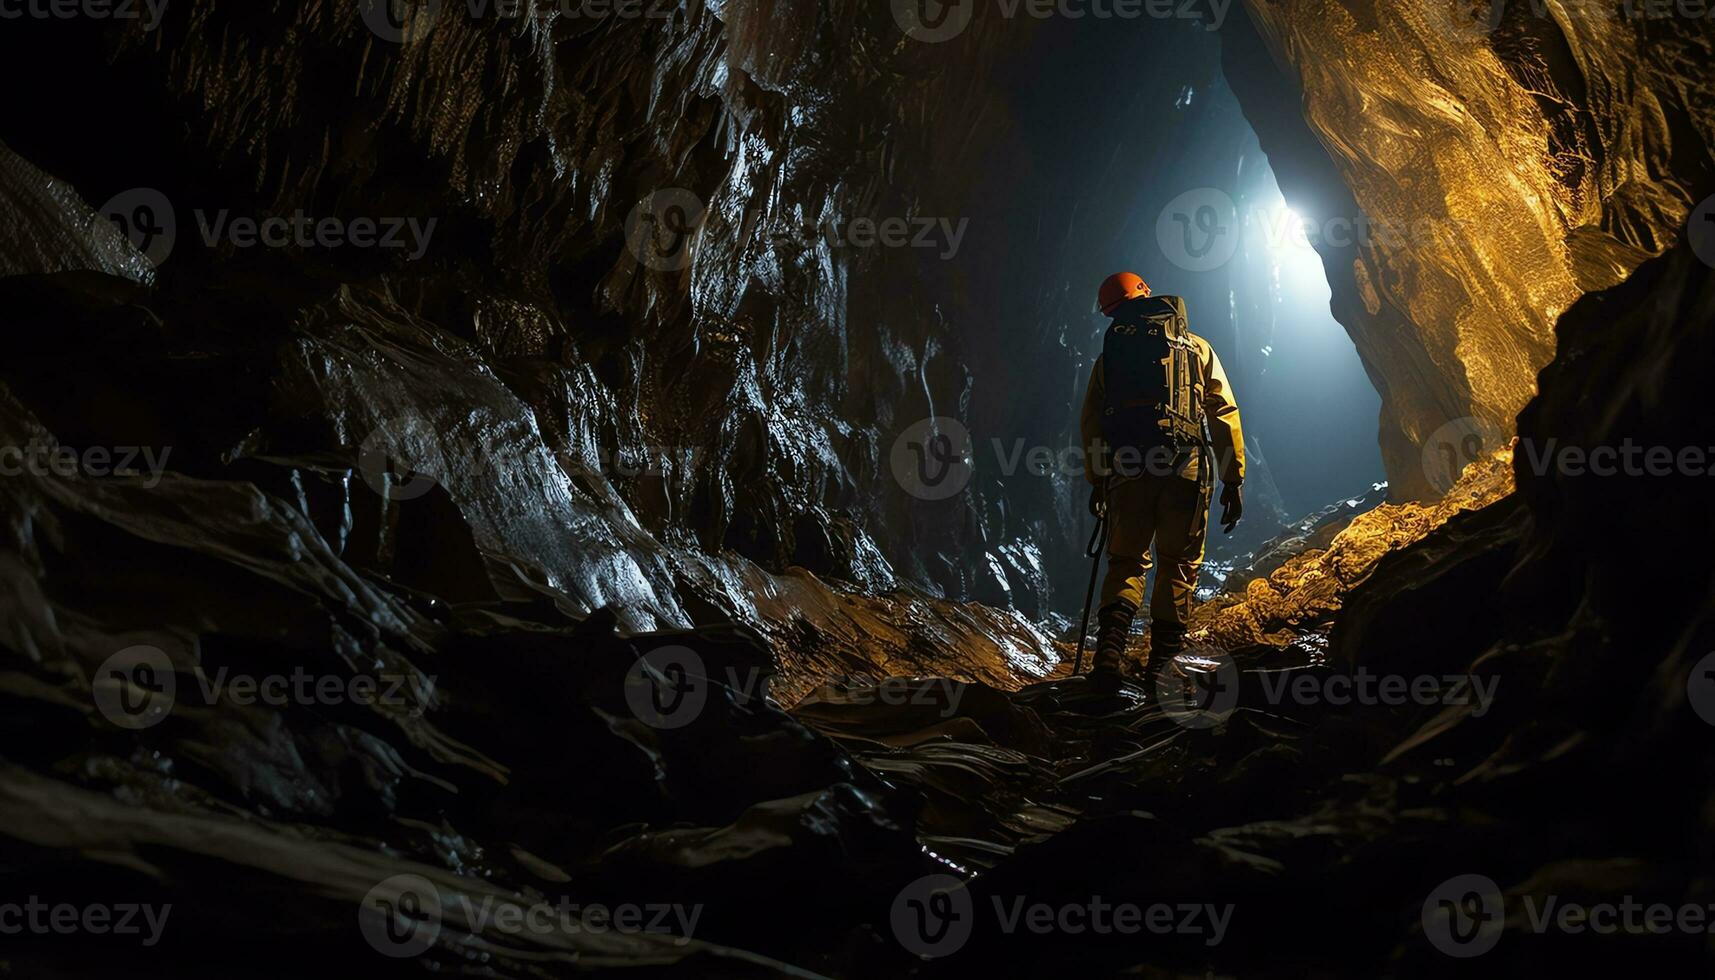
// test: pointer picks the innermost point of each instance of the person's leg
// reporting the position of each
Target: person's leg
(1131, 524)
(1182, 527)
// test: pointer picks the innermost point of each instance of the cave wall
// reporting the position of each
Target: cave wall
(692, 435)
(1507, 158)
(616, 424)
(294, 385)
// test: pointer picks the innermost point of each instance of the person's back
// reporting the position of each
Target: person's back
(1158, 403)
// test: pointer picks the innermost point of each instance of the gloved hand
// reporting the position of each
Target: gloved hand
(1232, 506)
(1097, 506)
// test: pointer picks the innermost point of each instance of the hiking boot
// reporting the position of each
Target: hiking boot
(1166, 641)
(1113, 627)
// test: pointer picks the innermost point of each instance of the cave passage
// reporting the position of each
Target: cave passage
(1097, 185)
(1309, 407)
(478, 496)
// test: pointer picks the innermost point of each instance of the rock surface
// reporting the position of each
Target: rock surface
(1470, 171)
(507, 506)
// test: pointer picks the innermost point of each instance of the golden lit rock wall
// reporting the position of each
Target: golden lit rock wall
(1510, 157)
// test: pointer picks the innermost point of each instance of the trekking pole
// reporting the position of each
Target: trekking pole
(1098, 543)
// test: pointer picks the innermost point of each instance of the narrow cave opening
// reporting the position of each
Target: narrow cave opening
(1311, 408)
(1247, 259)
(1157, 170)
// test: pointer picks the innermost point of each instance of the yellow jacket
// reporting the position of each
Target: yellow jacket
(1219, 408)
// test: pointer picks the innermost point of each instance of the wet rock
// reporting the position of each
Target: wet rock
(544, 494)
(46, 227)
(1308, 589)
(1496, 155)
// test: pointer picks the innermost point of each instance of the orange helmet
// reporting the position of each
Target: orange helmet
(1118, 288)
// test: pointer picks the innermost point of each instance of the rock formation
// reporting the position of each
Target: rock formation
(1486, 166)
(614, 422)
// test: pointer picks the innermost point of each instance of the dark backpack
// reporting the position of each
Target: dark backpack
(1149, 377)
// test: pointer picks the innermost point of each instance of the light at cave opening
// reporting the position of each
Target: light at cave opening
(1302, 389)
(1287, 238)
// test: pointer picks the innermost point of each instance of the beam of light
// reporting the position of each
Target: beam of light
(1303, 393)
(1287, 239)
